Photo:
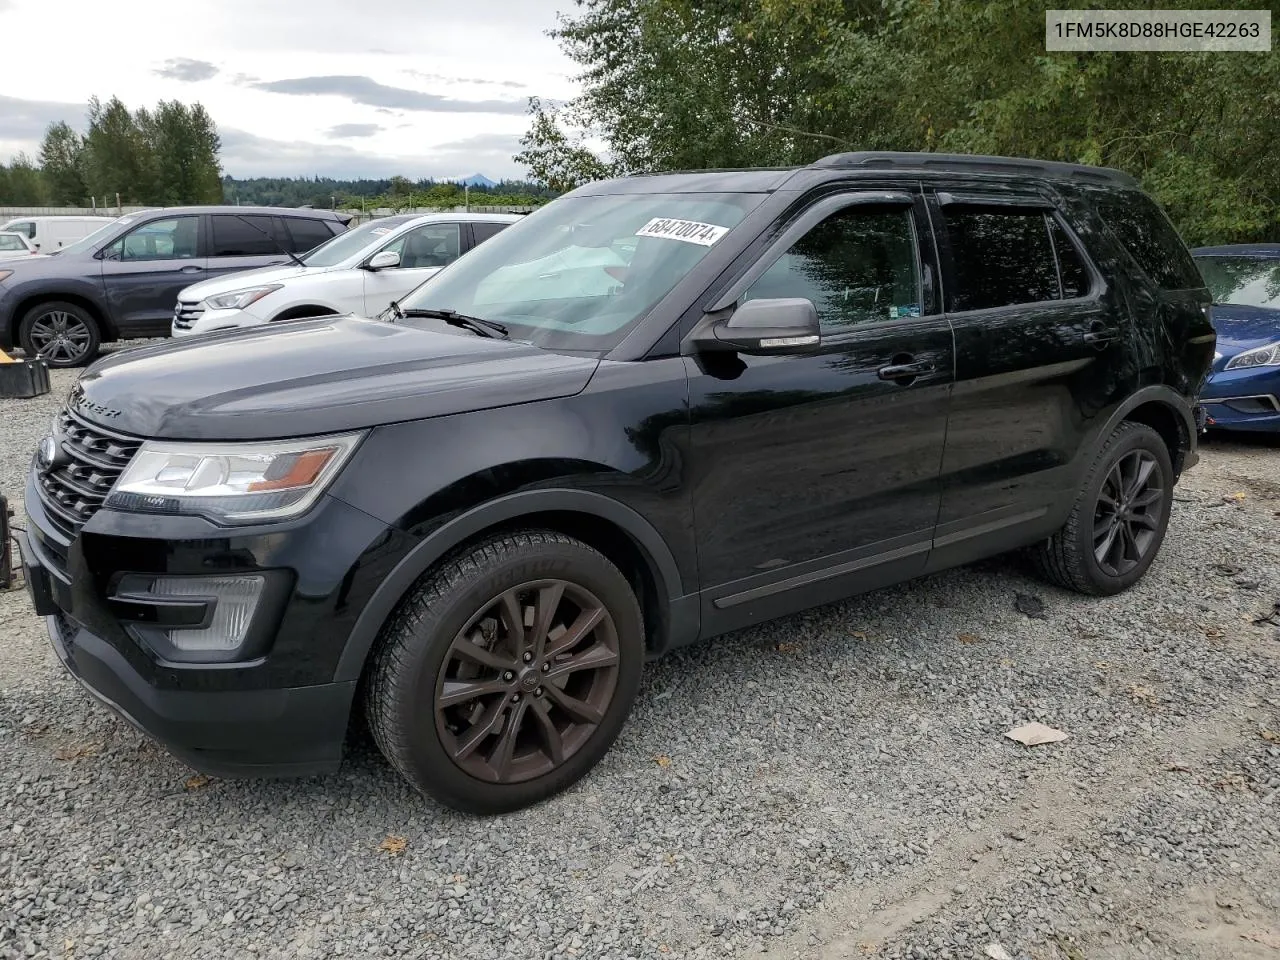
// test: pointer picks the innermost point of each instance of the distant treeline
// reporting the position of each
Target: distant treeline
(394, 192)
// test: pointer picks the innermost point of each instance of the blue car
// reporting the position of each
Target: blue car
(1243, 391)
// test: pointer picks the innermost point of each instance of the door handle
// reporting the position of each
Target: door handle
(192, 269)
(1099, 334)
(905, 372)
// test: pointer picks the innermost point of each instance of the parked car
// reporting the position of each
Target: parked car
(361, 271)
(1243, 392)
(51, 234)
(14, 245)
(123, 280)
(478, 522)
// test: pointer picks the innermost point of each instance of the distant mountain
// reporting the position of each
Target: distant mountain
(477, 180)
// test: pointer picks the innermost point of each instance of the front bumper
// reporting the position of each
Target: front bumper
(211, 320)
(1246, 399)
(280, 714)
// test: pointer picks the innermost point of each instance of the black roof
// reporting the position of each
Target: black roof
(768, 179)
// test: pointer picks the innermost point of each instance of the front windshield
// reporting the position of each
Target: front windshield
(349, 244)
(95, 239)
(578, 274)
(1246, 281)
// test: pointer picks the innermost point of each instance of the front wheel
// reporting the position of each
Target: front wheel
(63, 334)
(507, 673)
(1119, 519)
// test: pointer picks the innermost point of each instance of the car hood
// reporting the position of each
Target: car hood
(316, 376)
(47, 265)
(1243, 328)
(247, 278)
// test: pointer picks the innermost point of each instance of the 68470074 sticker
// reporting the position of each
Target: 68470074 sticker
(690, 231)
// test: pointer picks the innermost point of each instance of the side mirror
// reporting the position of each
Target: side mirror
(383, 260)
(780, 326)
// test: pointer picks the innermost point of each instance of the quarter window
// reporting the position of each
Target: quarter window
(484, 229)
(1149, 237)
(176, 238)
(857, 266)
(307, 234)
(235, 236)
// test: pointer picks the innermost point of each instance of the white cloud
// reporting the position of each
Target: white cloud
(457, 83)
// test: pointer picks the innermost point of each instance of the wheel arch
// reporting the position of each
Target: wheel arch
(305, 310)
(106, 329)
(1167, 413)
(617, 531)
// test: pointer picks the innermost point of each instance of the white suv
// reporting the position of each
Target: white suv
(360, 271)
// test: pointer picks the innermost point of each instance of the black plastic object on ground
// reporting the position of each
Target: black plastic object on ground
(6, 554)
(23, 379)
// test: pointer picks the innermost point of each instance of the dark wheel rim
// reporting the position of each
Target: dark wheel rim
(527, 681)
(1126, 521)
(60, 336)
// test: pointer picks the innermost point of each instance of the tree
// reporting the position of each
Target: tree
(553, 157)
(184, 150)
(117, 154)
(25, 187)
(61, 160)
(678, 84)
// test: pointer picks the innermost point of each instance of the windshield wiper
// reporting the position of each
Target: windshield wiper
(274, 242)
(485, 328)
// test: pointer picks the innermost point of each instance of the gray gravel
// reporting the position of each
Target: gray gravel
(832, 785)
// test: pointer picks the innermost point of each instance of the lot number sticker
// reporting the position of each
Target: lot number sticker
(690, 231)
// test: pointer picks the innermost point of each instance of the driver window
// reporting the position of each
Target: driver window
(433, 245)
(857, 266)
(176, 238)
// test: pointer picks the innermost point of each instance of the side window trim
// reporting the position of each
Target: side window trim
(801, 225)
(1095, 275)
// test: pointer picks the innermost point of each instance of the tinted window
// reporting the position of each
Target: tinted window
(1000, 257)
(243, 236)
(9, 241)
(857, 266)
(176, 238)
(483, 231)
(1148, 235)
(1071, 268)
(435, 245)
(307, 234)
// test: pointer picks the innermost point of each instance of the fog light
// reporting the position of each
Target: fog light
(236, 599)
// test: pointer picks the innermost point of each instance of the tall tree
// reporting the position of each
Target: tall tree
(555, 158)
(61, 162)
(184, 150)
(25, 186)
(117, 154)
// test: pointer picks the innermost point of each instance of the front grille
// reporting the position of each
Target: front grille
(75, 489)
(186, 313)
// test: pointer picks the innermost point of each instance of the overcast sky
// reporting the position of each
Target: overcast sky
(297, 87)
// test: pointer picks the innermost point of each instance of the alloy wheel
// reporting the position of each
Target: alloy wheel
(527, 681)
(60, 337)
(1126, 519)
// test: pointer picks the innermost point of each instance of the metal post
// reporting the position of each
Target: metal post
(466, 197)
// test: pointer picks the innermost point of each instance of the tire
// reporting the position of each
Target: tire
(63, 333)
(1070, 557)
(461, 752)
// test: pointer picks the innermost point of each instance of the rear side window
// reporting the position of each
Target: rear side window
(1150, 238)
(308, 234)
(484, 230)
(1002, 257)
(247, 236)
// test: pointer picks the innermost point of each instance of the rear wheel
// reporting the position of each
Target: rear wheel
(1119, 518)
(64, 334)
(506, 675)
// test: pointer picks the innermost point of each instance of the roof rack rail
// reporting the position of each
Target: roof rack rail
(976, 164)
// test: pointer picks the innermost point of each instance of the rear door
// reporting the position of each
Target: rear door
(423, 251)
(143, 271)
(1039, 339)
(243, 242)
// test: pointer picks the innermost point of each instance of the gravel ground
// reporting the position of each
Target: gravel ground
(833, 785)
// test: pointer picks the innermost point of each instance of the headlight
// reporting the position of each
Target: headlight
(1268, 356)
(239, 299)
(231, 482)
(5, 274)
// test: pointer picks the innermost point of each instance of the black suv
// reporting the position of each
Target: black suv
(659, 409)
(123, 280)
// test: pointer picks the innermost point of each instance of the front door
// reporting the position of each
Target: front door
(423, 251)
(817, 475)
(143, 272)
(1039, 350)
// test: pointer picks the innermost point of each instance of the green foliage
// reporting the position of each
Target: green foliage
(397, 193)
(686, 84)
(25, 185)
(61, 162)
